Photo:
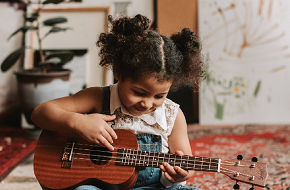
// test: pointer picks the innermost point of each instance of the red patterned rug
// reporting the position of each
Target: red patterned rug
(15, 146)
(270, 144)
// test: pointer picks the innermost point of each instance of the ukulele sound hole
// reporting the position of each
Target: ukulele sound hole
(100, 155)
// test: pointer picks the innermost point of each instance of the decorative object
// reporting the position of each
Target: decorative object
(47, 80)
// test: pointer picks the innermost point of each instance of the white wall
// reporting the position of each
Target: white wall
(247, 44)
(11, 20)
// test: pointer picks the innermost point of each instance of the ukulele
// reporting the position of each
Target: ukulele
(64, 160)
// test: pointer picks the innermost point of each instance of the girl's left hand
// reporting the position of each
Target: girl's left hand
(174, 173)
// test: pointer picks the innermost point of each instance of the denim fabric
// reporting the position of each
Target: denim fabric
(149, 176)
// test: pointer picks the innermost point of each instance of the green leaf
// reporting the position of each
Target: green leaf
(52, 1)
(64, 56)
(31, 17)
(23, 29)
(53, 21)
(54, 30)
(257, 89)
(12, 59)
(26, 4)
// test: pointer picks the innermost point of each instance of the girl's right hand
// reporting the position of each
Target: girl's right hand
(93, 128)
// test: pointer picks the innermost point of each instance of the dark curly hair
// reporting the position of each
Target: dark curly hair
(134, 50)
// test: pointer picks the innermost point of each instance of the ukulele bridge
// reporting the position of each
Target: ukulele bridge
(67, 156)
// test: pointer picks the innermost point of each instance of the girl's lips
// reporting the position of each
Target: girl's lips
(140, 109)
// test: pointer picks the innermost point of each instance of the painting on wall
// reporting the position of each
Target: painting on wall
(246, 45)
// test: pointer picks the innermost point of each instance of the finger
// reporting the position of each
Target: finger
(108, 117)
(180, 171)
(108, 137)
(169, 169)
(162, 168)
(179, 152)
(168, 177)
(111, 132)
(105, 143)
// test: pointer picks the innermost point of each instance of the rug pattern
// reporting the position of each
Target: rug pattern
(15, 147)
(270, 144)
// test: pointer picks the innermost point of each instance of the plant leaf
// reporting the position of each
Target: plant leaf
(31, 17)
(52, 1)
(54, 30)
(53, 21)
(22, 29)
(11, 59)
(64, 56)
(25, 2)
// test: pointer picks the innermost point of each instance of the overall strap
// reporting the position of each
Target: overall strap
(106, 100)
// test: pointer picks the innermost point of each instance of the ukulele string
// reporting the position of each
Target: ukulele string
(177, 161)
(104, 151)
(225, 170)
(141, 163)
(132, 160)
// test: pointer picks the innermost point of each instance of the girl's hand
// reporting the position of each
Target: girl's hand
(174, 174)
(93, 128)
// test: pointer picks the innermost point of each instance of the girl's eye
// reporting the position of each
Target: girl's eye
(139, 94)
(159, 97)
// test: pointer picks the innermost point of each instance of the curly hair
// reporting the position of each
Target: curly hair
(134, 50)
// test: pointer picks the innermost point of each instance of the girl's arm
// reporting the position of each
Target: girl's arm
(178, 144)
(79, 112)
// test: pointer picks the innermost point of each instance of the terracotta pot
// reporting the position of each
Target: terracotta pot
(36, 87)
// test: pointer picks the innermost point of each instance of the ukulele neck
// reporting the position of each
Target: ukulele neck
(131, 157)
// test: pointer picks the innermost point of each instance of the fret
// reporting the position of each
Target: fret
(180, 164)
(140, 158)
(186, 161)
(153, 159)
(126, 157)
(162, 155)
(146, 158)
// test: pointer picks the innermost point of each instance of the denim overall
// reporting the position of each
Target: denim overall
(148, 179)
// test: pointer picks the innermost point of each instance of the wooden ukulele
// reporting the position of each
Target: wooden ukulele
(63, 160)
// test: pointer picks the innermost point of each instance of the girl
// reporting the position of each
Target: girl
(146, 65)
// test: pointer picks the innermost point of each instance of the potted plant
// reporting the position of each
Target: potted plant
(47, 79)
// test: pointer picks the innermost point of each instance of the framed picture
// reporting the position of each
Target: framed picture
(85, 24)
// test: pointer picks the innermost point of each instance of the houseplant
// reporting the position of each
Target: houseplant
(47, 79)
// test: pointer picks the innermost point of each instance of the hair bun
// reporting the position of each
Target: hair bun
(127, 26)
(186, 41)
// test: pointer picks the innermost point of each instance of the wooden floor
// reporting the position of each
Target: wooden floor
(21, 178)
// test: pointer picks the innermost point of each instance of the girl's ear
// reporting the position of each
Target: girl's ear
(115, 73)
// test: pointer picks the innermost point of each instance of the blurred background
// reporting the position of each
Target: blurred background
(246, 91)
(245, 44)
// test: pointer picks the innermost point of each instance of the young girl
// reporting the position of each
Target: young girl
(146, 65)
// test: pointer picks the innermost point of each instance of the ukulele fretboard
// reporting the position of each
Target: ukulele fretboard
(131, 157)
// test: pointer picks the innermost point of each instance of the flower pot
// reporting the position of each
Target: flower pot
(36, 87)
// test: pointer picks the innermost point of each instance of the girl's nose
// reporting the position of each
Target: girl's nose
(147, 104)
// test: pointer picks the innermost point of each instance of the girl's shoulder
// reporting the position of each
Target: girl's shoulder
(171, 110)
(90, 97)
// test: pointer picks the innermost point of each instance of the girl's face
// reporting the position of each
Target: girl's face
(143, 95)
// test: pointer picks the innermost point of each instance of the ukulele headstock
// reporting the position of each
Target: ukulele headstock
(250, 172)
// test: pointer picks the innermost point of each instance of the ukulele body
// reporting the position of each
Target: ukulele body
(56, 168)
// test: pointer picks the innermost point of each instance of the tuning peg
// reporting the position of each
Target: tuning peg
(252, 188)
(255, 159)
(239, 157)
(237, 186)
